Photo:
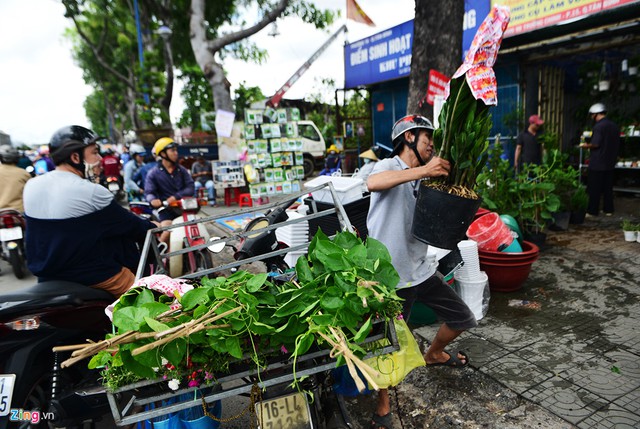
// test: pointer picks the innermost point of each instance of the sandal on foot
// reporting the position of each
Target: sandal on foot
(453, 360)
(381, 422)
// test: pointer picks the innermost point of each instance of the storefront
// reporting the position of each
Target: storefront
(557, 58)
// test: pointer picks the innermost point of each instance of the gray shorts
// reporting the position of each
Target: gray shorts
(442, 299)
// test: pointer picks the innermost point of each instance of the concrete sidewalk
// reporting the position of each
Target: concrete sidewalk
(569, 360)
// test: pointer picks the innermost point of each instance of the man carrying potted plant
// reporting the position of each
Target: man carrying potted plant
(393, 183)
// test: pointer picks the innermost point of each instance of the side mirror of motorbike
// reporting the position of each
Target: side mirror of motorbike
(217, 247)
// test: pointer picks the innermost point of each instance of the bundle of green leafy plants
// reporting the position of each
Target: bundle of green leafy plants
(342, 286)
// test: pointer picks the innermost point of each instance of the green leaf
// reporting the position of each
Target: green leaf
(99, 360)
(155, 325)
(357, 255)
(145, 296)
(304, 343)
(222, 293)
(232, 344)
(294, 305)
(322, 319)
(331, 302)
(155, 308)
(363, 332)
(175, 351)
(303, 270)
(136, 367)
(377, 250)
(255, 283)
(129, 318)
(198, 296)
(260, 328)
(309, 308)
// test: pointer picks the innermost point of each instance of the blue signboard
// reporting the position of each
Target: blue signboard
(387, 55)
(383, 56)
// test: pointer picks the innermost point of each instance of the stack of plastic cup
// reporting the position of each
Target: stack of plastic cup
(469, 252)
(470, 281)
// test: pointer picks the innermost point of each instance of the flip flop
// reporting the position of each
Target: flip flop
(381, 422)
(453, 360)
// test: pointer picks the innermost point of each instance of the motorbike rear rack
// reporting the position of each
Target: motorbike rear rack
(151, 247)
(130, 404)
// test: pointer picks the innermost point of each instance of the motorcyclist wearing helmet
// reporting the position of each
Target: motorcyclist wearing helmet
(393, 183)
(111, 164)
(604, 146)
(76, 231)
(332, 161)
(168, 181)
(13, 179)
(44, 163)
(137, 153)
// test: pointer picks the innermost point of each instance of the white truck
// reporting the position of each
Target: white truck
(313, 146)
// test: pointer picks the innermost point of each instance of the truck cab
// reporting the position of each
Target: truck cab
(313, 146)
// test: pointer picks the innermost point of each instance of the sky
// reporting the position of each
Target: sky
(41, 89)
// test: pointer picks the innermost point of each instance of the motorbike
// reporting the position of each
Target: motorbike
(114, 185)
(187, 232)
(12, 240)
(34, 389)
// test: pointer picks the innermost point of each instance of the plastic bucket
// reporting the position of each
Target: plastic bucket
(441, 219)
(490, 232)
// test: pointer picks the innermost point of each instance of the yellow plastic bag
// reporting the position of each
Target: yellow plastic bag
(394, 367)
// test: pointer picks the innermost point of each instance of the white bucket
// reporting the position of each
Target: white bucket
(469, 253)
(471, 290)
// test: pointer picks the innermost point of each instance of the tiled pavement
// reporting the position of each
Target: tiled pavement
(578, 356)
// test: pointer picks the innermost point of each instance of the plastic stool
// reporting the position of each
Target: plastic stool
(245, 200)
(231, 195)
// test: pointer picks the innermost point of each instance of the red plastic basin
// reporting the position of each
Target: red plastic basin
(508, 271)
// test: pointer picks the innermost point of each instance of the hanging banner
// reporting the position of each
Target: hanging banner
(530, 15)
(436, 86)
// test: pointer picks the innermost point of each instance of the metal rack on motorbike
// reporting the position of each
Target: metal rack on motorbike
(150, 399)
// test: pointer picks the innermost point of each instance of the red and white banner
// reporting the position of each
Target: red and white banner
(436, 85)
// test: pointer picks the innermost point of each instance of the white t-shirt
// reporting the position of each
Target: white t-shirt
(62, 195)
(389, 221)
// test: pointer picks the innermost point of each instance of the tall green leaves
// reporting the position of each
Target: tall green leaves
(462, 137)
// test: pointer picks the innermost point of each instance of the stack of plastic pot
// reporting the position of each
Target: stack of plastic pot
(506, 260)
(470, 281)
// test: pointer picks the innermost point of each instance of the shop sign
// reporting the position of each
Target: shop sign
(530, 15)
(383, 56)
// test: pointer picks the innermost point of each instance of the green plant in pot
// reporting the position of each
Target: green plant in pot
(565, 179)
(497, 185)
(537, 201)
(579, 203)
(445, 207)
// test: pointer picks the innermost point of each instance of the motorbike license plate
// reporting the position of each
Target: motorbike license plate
(114, 187)
(285, 412)
(8, 234)
(6, 391)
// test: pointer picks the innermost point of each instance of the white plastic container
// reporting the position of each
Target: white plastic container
(472, 292)
(348, 189)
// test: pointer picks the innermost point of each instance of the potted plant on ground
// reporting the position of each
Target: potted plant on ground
(445, 207)
(629, 230)
(565, 179)
(579, 203)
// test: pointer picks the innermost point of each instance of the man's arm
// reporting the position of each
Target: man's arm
(517, 155)
(392, 178)
(188, 188)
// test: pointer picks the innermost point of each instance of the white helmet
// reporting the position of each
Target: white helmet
(597, 108)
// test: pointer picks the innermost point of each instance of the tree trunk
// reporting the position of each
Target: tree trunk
(437, 44)
(205, 50)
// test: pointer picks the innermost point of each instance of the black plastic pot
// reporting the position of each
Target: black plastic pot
(561, 221)
(442, 219)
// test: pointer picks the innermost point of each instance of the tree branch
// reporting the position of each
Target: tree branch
(99, 58)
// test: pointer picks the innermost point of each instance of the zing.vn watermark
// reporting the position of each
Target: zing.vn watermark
(20, 415)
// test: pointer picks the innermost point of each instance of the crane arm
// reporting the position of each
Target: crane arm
(275, 100)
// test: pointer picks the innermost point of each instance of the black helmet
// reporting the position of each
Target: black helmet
(9, 154)
(68, 140)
